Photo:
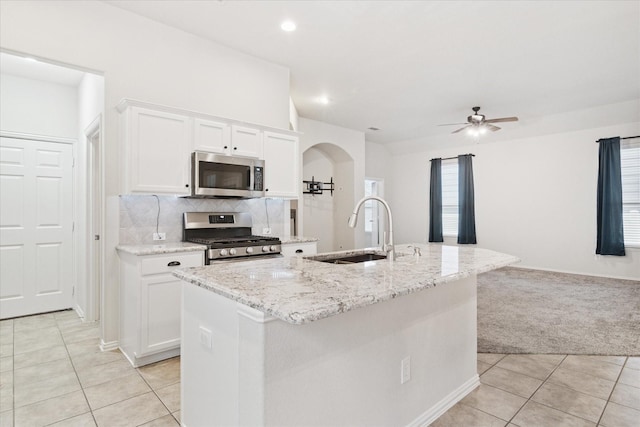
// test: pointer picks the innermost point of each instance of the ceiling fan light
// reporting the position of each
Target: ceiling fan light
(477, 117)
(482, 130)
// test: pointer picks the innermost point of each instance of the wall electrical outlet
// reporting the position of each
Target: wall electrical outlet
(159, 236)
(206, 338)
(405, 370)
(266, 231)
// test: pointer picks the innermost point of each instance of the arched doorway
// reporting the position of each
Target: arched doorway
(323, 215)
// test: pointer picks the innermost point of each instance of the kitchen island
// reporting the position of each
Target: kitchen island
(296, 341)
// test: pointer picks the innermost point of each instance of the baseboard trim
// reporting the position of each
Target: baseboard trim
(108, 346)
(433, 413)
(79, 312)
(579, 273)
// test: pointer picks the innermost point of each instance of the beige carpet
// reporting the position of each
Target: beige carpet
(529, 311)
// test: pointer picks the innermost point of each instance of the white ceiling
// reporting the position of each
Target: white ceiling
(407, 66)
(31, 68)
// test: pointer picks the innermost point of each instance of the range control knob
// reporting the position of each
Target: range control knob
(224, 252)
(249, 250)
(273, 248)
(265, 249)
(232, 251)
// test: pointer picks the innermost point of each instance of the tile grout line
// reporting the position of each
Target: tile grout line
(572, 389)
(536, 390)
(66, 349)
(158, 397)
(480, 410)
(612, 390)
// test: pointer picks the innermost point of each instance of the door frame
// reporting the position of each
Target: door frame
(381, 220)
(94, 216)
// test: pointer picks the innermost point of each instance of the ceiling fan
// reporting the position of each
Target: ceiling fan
(477, 123)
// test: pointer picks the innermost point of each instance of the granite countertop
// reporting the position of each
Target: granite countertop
(298, 239)
(299, 290)
(167, 248)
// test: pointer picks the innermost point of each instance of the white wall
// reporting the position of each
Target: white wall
(38, 107)
(377, 161)
(347, 194)
(144, 60)
(318, 208)
(90, 99)
(535, 198)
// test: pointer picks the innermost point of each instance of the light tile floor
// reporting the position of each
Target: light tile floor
(52, 372)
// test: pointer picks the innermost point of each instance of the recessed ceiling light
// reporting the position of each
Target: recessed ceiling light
(324, 99)
(288, 26)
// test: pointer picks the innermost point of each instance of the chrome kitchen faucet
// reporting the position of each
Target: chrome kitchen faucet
(386, 246)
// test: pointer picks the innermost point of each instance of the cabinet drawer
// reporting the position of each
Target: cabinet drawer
(299, 249)
(169, 262)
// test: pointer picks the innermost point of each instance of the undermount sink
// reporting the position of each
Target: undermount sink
(347, 259)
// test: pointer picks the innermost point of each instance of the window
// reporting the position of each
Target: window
(630, 166)
(450, 197)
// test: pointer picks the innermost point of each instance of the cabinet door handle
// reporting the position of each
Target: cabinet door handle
(299, 251)
(226, 146)
(235, 148)
(173, 264)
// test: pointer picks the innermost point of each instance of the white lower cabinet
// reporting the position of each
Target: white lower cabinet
(299, 249)
(150, 304)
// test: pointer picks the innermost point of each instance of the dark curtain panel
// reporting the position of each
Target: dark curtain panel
(466, 209)
(609, 219)
(435, 202)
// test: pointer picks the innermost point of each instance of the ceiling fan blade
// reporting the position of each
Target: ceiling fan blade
(453, 124)
(491, 127)
(461, 129)
(502, 119)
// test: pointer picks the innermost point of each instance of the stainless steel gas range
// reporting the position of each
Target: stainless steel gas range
(227, 236)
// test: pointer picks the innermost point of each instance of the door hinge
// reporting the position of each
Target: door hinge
(73, 291)
(73, 227)
(73, 162)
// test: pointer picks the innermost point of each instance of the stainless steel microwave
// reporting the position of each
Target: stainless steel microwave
(215, 175)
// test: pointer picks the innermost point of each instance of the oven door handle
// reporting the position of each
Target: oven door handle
(173, 264)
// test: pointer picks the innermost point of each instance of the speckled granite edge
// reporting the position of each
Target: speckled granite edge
(299, 290)
(168, 248)
(298, 239)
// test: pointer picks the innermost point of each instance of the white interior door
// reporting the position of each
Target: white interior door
(36, 219)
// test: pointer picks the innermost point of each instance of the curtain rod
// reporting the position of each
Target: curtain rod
(450, 158)
(626, 137)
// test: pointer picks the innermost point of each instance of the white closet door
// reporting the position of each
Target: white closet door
(36, 219)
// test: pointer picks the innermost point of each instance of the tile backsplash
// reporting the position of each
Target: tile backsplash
(140, 214)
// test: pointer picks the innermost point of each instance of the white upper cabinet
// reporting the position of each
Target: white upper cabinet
(157, 142)
(246, 142)
(282, 165)
(157, 147)
(211, 136)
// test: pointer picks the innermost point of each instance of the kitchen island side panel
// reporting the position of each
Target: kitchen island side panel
(209, 374)
(342, 370)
